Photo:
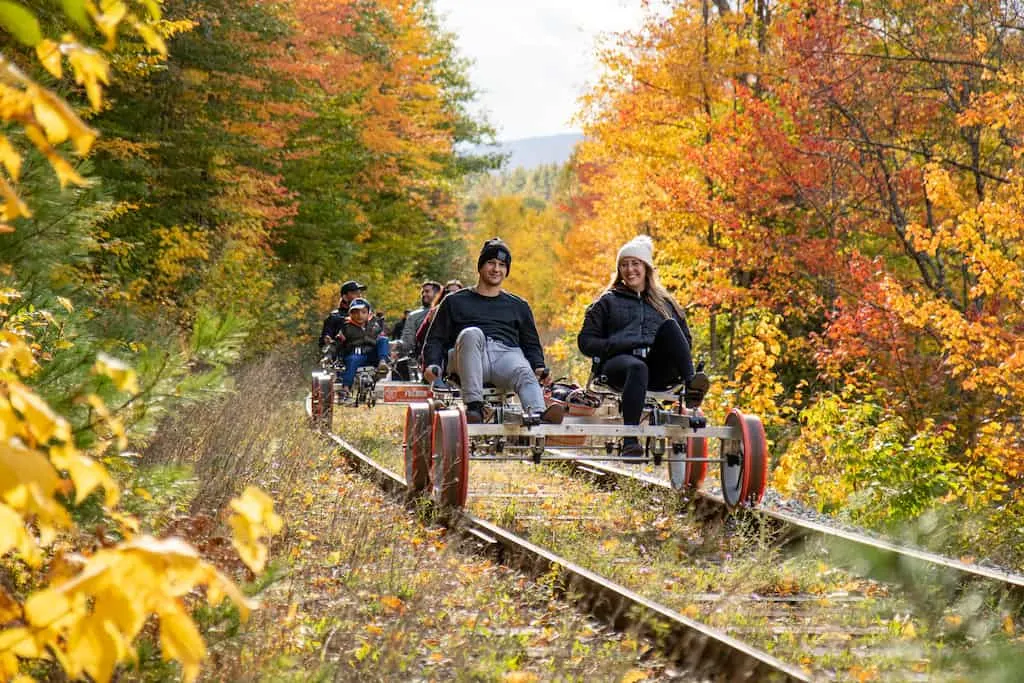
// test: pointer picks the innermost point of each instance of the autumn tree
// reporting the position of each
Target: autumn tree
(831, 187)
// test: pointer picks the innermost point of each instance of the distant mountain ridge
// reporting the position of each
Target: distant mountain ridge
(532, 152)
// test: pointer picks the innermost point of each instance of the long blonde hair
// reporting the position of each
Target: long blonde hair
(654, 292)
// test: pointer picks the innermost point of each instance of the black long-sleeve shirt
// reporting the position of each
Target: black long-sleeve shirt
(505, 318)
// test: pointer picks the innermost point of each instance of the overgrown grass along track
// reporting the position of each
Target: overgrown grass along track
(732, 574)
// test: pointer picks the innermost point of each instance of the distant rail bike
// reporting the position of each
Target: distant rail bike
(439, 443)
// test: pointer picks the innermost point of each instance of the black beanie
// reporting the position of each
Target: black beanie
(494, 248)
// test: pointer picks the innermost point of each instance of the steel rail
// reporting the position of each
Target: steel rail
(699, 648)
(798, 528)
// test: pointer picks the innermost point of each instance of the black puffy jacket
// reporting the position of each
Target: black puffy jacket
(332, 325)
(359, 337)
(620, 321)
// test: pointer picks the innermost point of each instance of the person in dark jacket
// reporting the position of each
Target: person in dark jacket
(428, 293)
(362, 341)
(485, 334)
(639, 336)
(396, 331)
(334, 321)
(450, 287)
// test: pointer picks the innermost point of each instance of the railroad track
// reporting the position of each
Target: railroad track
(702, 650)
(679, 635)
(792, 527)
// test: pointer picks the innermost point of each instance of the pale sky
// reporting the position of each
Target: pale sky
(533, 58)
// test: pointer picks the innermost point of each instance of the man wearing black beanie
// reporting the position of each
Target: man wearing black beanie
(485, 334)
(495, 248)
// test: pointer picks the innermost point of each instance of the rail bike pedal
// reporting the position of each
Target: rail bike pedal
(537, 446)
(693, 419)
(531, 419)
(655, 448)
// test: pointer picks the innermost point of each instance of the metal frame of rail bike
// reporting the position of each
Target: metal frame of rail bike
(439, 444)
(367, 388)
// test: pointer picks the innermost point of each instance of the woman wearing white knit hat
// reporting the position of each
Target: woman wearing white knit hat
(639, 336)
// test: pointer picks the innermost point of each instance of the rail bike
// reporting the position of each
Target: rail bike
(439, 443)
(368, 387)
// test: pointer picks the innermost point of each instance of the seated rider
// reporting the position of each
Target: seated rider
(485, 334)
(350, 291)
(639, 336)
(421, 333)
(362, 342)
(428, 292)
(407, 349)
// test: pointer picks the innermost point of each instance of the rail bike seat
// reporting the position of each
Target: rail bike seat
(677, 393)
(492, 393)
(674, 398)
(599, 384)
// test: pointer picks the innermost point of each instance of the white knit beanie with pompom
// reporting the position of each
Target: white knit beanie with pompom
(640, 247)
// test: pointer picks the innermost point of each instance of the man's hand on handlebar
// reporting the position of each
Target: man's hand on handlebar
(543, 375)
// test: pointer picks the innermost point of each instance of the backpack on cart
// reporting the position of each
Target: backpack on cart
(577, 402)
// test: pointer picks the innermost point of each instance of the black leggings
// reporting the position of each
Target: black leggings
(668, 360)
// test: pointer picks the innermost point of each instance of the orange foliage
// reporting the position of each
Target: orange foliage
(820, 165)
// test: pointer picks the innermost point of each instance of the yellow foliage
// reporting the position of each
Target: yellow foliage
(179, 248)
(755, 378)
(16, 355)
(10, 158)
(47, 119)
(93, 608)
(91, 619)
(254, 518)
(520, 677)
(124, 377)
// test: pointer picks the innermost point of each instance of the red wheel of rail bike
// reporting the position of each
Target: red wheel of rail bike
(326, 399)
(450, 451)
(683, 473)
(744, 461)
(419, 419)
(758, 480)
(696, 448)
(314, 400)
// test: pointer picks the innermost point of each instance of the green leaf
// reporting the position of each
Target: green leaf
(75, 9)
(20, 23)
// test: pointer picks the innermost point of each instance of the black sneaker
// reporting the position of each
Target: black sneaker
(696, 389)
(474, 413)
(631, 448)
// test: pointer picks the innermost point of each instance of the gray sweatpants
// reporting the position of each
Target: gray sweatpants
(478, 359)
